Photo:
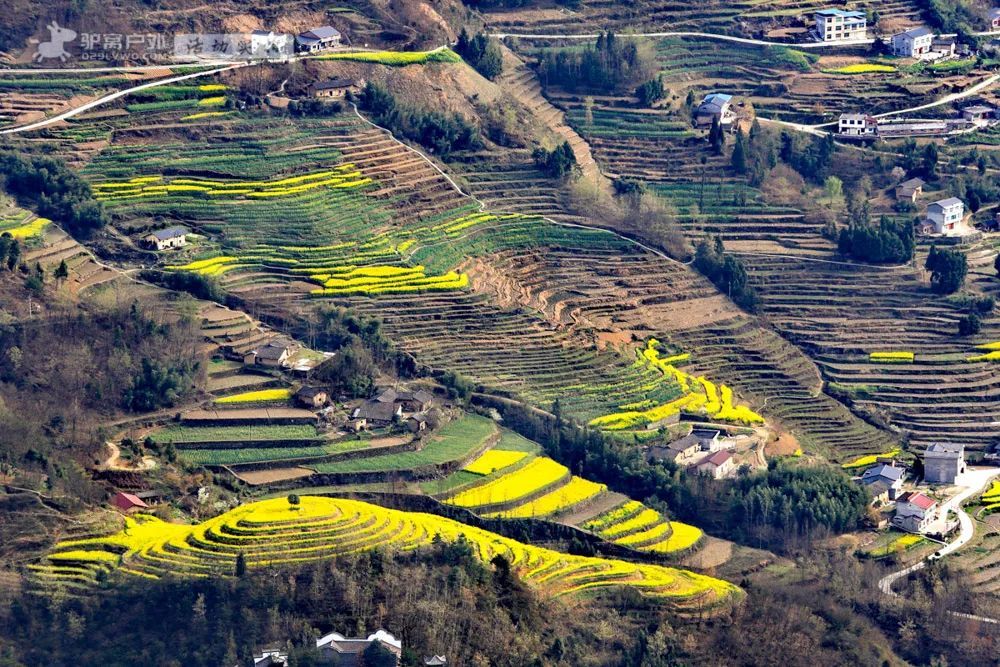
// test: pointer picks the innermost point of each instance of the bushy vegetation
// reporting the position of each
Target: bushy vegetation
(948, 269)
(555, 163)
(611, 64)
(482, 52)
(888, 243)
(439, 132)
(651, 91)
(726, 271)
(53, 190)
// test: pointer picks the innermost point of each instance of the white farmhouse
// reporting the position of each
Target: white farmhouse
(945, 214)
(835, 25)
(913, 43)
(857, 124)
(171, 237)
(915, 512)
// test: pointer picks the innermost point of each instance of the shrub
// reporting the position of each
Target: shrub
(969, 325)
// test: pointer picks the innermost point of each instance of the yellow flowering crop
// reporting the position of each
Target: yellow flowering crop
(492, 460)
(868, 459)
(33, 228)
(577, 491)
(259, 395)
(891, 357)
(537, 475)
(272, 532)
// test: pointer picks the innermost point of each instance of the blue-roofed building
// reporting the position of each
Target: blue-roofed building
(836, 25)
(171, 237)
(884, 474)
(716, 105)
(318, 39)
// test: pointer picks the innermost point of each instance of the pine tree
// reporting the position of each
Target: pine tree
(62, 271)
(739, 158)
(716, 138)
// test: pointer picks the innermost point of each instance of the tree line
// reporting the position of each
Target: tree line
(47, 186)
(726, 271)
(481, 52)
(441, 133)
(610, 64)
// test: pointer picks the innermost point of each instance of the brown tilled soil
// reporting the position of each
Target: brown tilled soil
(785, 445)
(257, 477)
(712, 553)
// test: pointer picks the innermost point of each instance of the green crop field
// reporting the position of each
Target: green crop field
(234, 433)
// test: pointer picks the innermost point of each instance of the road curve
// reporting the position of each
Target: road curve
(977, 480)
(114, 96)
(699, 35)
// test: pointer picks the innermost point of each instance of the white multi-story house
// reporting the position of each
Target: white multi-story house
(857, 124)
(915, 512)
(945, 214)
(913, 43)
(835, 25)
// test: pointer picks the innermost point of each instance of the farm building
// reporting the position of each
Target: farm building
(171, 237)
(128, 502)
(712, 440)
(945, 214)
(375, 413)
(888, 475)
(415, 401)
(995, 18)
(715, 106)
(857, 124)
(311, 397)
(913, 43)
(915, 512)
(270, 657)
(718, 466)
(944, 47)
(683, 448)
(834, 25)
(943, 463)
(417, 422)
(273, 355)
(335, 89)
(979, 114)
(910, 190)
(435, 661)
(336, 649)
(317, 39)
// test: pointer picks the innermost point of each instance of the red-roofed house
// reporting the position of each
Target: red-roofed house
(718, 465)
(127, 502)
(915, 512)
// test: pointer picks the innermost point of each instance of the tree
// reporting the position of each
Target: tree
(833, 187)
(651, 91)
(739, 159)
(996, 265)
(948, 269)
(241, 565)
(716, 136)
(377, 655)
(556, 163)
(61, 272)
(293, 500)
(929, 160)
(969, 325)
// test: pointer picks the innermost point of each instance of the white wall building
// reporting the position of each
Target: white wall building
(834, 25)
(945, 214)
(857, 124)
(913, 43)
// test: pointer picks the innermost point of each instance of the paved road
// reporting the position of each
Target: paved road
(114, 96)
(974, 481)
(700, 35)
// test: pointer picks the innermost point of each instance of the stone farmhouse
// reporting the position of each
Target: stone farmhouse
(943, 463)
(715, 106)
(335, 89)
(888, 475)
(718, 466)
(910, 190)
(336, 649)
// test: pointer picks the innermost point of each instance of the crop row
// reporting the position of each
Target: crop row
(274, 532)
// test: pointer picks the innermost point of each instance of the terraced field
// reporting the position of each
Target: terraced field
(512, 480)
(371, 225)
(837, 313)
(272, 532)
(715, 16)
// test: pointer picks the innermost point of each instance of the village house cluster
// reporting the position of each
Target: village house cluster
(913, 509)
(705, 451)
(337, 650)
